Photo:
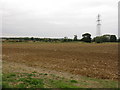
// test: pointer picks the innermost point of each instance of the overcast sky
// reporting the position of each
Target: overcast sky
(57, 18)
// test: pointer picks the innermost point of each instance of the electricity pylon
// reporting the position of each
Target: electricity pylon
(98, 33)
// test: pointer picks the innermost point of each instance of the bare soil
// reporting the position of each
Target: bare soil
(91, 60)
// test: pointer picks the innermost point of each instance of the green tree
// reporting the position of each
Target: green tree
(98, 39)
(101, 39)
(106, 38)
(75, 38)
(65, 39)
(32, 38)
(86, 37)
(113, 38)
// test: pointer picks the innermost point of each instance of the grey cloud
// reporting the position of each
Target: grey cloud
(75, 18)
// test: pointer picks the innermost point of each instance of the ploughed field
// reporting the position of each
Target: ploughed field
(85, 59)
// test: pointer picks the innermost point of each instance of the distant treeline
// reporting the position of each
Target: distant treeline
(85, 38)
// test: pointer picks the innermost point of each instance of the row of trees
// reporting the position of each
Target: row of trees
(85, 38)
(99, 39)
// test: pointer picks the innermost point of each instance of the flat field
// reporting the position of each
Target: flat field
(78, 59)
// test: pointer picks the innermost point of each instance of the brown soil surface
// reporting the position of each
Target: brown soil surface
(91, 60)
